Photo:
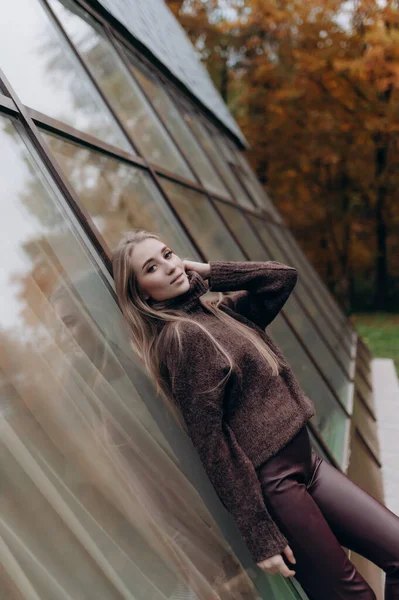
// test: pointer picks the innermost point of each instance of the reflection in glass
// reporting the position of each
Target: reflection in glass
(320, 352)
(330, 418)
(165, 107)
(118, 196)
(202, 220)
(234, 187)
(366, 425)
(121, 90)
(225, 146)
(94, 503)
(253, 186)
(318, 284)
(365, 391)
(329, 365)
(292, 309)
(363, 469)
(242, 230)
(363, 363)
(47, 76)
(280, 248)
(231, 186)
(317, 447)
(228, 159)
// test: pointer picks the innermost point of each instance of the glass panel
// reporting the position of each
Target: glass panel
(226, 147)
(366, 425)
(88, 451)
(363, 350)
(364, 390)
(236, 190)
(314, 284)
(111, 220)
(47, 76)
(257, 193)
(340, 329)
(252, 184)
(363, 360)
(320, 351)
(316, 281)
(330, 418)
(203, 222)
(229, 181)
(331, 368)
(364, 470)
(121, 90)
(317, 447)
(283, 253)
(364, 370)
(240, 193)
(242, 230)
(165, 107)
(118, 196)
(302, 325)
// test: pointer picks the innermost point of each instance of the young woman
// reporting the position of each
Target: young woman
(239, 401)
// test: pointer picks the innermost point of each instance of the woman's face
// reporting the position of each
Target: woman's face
(156, 268)
(75, 321)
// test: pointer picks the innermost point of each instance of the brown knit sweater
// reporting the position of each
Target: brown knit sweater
(237, 427)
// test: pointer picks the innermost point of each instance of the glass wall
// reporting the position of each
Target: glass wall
(89, 451)
(99, 460)
(118, 196)
(121, 91)
(48, 77)
(322, 340)
(168, 112)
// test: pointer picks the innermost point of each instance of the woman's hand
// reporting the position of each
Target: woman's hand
(275, 564)
(202, 269)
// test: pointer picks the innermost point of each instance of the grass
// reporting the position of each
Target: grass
(380, 333)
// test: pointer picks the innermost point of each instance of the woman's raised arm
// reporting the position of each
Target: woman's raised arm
(265, 287)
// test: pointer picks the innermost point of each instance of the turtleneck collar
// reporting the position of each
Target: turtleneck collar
(187, 301)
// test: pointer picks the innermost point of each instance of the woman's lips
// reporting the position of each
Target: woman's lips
(178, 279)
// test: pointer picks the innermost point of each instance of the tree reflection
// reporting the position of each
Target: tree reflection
(79, 443)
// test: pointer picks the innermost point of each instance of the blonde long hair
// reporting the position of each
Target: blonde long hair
(152, 331)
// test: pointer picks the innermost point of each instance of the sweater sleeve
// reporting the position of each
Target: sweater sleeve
(265, 287)
(193, 381)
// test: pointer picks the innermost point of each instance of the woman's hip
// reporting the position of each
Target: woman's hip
(295, 461)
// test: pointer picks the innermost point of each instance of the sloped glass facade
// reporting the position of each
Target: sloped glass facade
(104, 496)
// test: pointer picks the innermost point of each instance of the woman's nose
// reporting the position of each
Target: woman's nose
(170, 268)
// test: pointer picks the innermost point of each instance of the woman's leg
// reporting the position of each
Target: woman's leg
(322, 568)
(359, 522)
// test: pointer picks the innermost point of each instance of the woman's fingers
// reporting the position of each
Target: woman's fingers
(285, 571)
(275, 564)
(289, 554)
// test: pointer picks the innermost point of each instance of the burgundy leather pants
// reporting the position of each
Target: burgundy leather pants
(319, 509)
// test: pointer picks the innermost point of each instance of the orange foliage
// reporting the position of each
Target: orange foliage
(315, 88)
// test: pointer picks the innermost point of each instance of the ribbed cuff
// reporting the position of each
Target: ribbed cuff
(261, 534)
(219, 273)
(266, 541)
(225, 275)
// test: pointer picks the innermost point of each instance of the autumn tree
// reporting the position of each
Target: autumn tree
(314, 86)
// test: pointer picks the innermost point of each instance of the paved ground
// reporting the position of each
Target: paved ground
(386, 395)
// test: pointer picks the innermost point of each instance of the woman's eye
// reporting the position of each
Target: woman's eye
(166, 253)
